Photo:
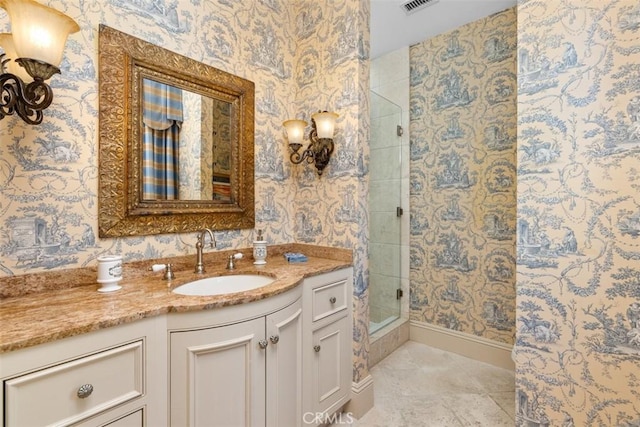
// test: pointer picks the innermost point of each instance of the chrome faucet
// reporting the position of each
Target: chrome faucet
(199, 245)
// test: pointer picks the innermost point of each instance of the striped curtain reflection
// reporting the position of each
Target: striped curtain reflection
(162, 119)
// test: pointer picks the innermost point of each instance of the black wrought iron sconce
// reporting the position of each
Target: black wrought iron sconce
(320, 139)
(32, 53)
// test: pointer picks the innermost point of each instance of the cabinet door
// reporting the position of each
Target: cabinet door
(284, 367)
(331, 365)
(217, 376)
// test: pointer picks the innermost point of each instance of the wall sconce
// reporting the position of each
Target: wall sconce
(321, 139)
(32, 53)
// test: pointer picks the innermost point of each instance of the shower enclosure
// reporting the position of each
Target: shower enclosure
(386, 212)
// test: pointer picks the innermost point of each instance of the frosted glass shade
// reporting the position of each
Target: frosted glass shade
(39, 32)
(6, 43)
(325, 123)
(295, 130)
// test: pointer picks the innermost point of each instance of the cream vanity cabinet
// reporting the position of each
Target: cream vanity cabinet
(111, 377)
(281, 361)
(327, 344)
(238, 366)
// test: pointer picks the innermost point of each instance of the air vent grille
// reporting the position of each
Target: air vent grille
(415, 5)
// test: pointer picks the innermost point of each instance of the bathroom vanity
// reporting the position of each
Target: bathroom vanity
(147, 356)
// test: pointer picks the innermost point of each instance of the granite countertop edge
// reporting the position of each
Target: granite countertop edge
(55, 313)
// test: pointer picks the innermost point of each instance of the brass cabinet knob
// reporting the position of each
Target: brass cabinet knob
(263, 344)
(274, 339)
(316, 348)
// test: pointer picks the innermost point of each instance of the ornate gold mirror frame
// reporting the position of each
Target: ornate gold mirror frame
(123, 62)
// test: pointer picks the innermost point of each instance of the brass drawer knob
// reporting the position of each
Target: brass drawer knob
(332, 300)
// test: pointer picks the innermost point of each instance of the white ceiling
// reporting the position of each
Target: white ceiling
(392, 28)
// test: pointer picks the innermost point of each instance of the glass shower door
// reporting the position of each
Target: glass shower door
(385, 211)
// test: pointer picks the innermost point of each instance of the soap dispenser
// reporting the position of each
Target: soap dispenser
(259, 250)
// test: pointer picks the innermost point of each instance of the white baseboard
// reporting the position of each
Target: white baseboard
(361, 397)
(471, 346)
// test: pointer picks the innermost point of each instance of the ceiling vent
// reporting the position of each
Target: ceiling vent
(416, 5)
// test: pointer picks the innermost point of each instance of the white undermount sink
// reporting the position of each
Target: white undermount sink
(220, 285)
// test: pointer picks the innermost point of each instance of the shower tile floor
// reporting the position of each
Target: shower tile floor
(418, 385)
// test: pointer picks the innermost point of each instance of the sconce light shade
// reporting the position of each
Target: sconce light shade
(325, 123)
(39, 32)
(6, 42)
(295, 130)
(31, 56)
(320, 139)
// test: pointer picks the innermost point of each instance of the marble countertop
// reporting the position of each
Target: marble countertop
(49, 312)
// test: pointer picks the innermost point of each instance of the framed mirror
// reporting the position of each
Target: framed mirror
(176, 142)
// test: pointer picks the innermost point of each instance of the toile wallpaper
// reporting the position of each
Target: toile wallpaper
(193, 148)
(578, 225)
(578, 199)
(303, 56)
(463, 178)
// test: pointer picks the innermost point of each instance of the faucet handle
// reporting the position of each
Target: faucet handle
(168, 270)
(168, 273)
(157, 267)
(230, 264)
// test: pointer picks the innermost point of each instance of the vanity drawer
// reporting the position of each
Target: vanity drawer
(329, 299)
(52, 395)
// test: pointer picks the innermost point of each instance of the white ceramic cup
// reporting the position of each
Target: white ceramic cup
(109, 272)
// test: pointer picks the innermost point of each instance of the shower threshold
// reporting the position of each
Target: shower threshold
(376, 326)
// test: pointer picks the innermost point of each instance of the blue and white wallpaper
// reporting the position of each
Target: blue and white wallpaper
(463, 178)
(578, 224)
(303, 56)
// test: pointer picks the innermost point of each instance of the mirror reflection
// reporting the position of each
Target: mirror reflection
(176, 142)
(186, 145)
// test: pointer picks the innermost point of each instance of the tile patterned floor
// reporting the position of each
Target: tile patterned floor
(419, 385)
